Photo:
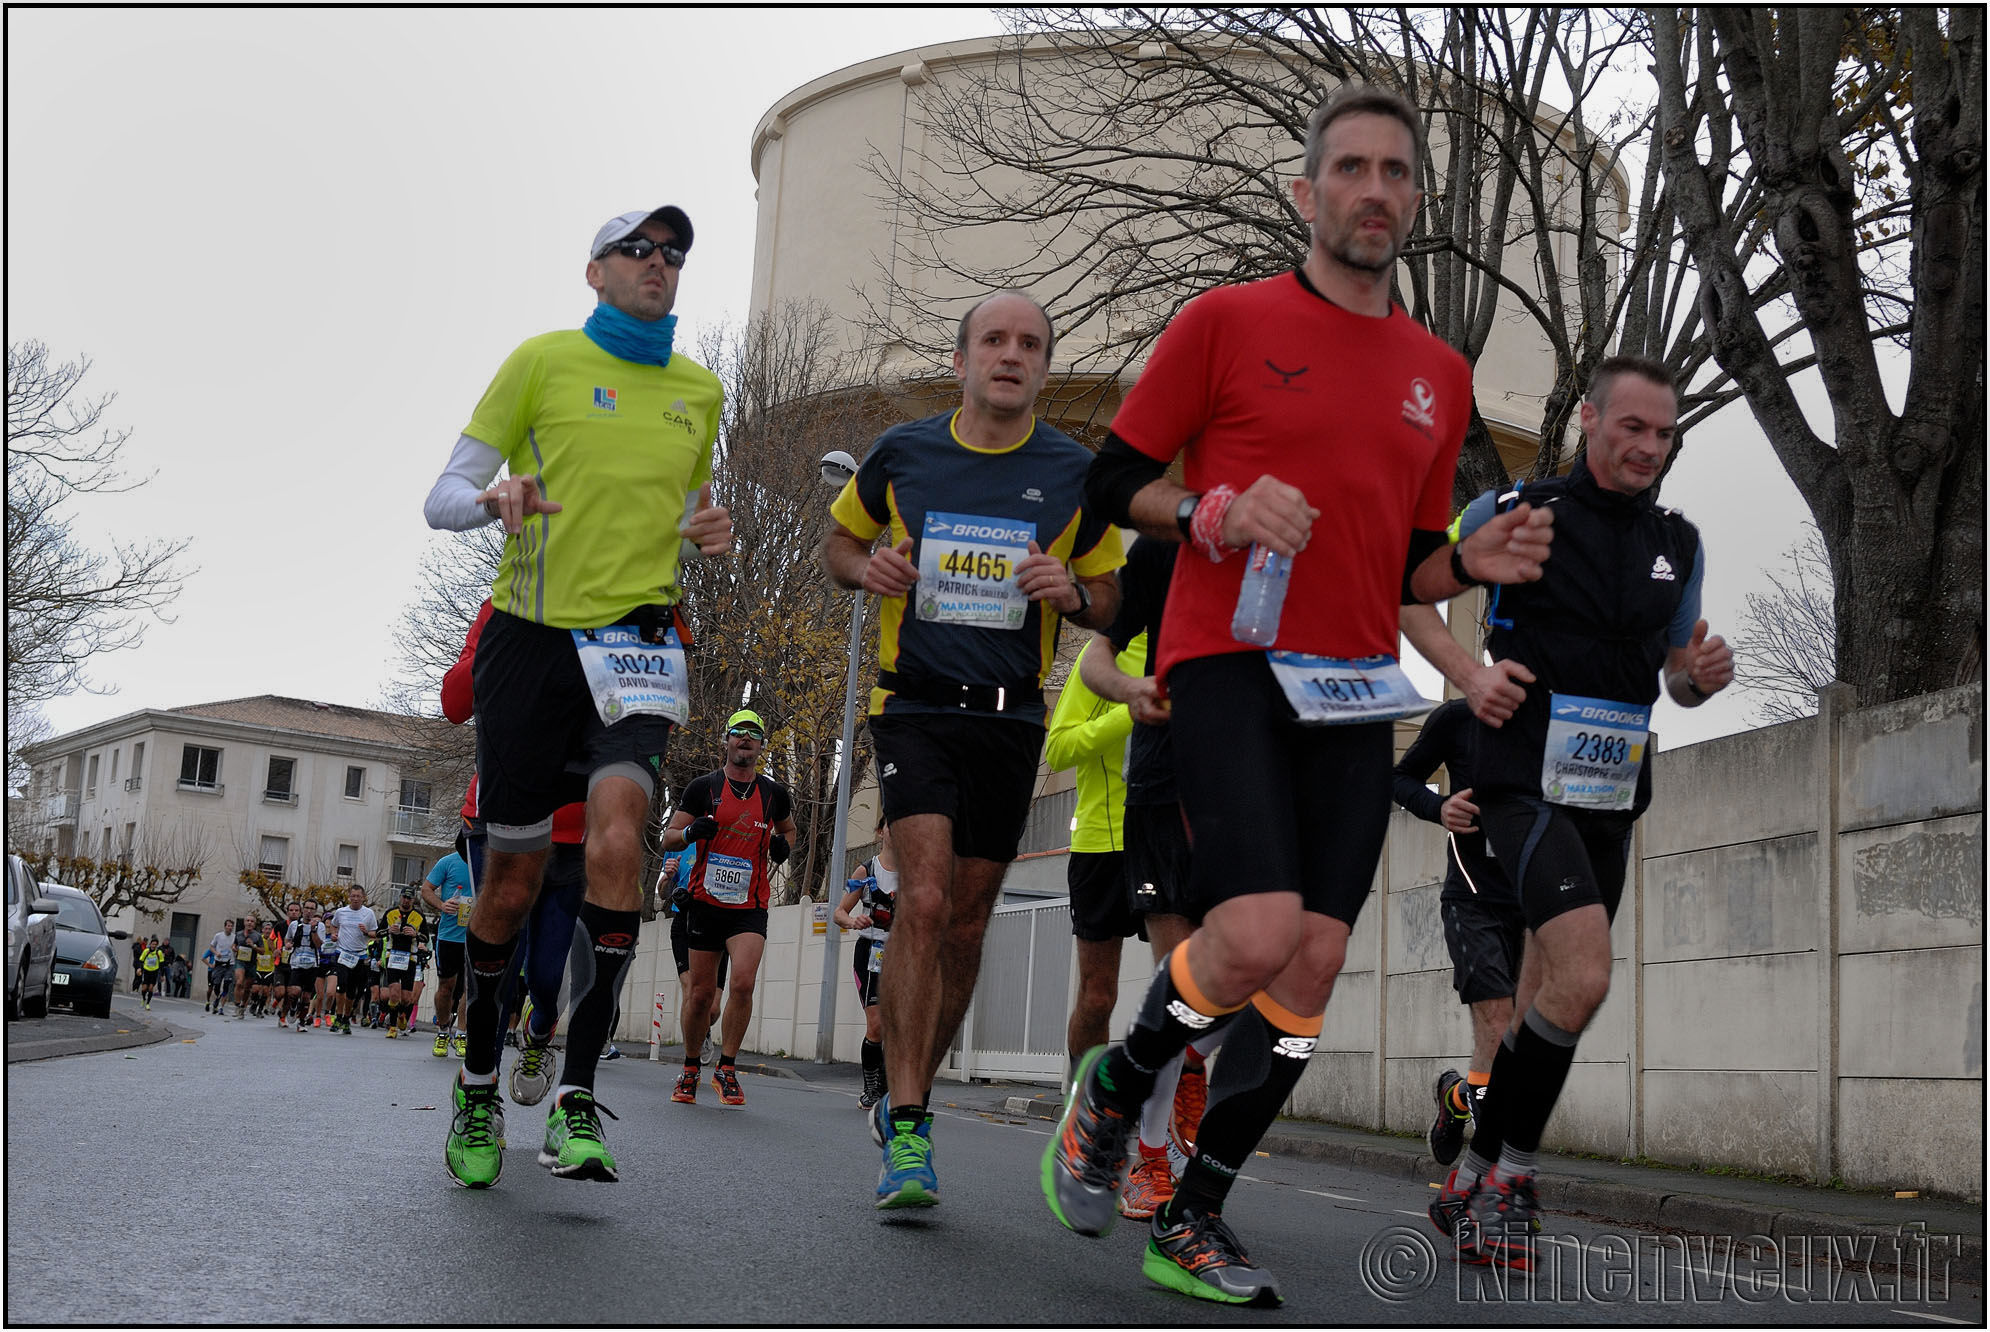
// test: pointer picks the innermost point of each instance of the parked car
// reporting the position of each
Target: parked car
(85, 975)
(30, 942)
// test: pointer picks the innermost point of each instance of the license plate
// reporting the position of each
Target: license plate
(58, 978)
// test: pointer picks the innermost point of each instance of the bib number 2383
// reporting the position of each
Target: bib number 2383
(1595, 748)
(1335, 691)
(967, 570)
(629, 677)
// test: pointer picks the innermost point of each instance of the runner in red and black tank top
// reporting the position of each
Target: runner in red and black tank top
(745, 820)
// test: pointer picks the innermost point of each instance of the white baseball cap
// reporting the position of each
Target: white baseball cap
(615, 228)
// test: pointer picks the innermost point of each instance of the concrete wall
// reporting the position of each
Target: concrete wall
(1798, 983)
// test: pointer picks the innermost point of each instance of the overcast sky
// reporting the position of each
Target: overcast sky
(297, 244)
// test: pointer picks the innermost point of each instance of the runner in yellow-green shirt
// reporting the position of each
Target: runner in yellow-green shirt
(605, 435)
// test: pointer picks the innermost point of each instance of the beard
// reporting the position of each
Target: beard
(1349, 248)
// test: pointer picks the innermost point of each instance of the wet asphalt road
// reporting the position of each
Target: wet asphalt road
(249, 1176)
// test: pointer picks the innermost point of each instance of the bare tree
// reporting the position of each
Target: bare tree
(772, 629)
(1856, 133)
(1785, 644)
(151, 875)
(1118, 162)
(456, 573)
(67, 603)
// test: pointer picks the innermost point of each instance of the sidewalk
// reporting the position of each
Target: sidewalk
(63, 1033)
(1621, 1193)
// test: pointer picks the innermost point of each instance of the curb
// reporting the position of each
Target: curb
(143, 1032)
(1606, 1200)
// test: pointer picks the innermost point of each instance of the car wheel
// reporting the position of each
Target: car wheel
(102, 1010)
(16, 992)
(36, 1007)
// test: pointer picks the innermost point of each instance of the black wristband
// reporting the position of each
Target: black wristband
(1695, 690)
(1458, 567)
(1185, 516)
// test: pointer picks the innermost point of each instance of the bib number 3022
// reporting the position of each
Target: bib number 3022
(629, 677)
(1337, 691)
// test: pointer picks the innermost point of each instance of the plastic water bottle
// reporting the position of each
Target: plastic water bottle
(1261, 598)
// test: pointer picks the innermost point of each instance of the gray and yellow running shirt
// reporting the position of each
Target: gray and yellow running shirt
(971, 514)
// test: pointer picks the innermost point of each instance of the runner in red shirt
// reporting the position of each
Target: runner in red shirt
(1317, 421)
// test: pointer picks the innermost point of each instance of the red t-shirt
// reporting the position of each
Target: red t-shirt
(1363, 415)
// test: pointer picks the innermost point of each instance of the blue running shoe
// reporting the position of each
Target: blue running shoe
(907, 1179)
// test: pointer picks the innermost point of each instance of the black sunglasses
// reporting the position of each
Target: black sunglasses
(642, 247)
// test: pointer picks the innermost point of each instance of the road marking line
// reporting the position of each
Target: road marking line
(1404, 1211)
(1322, 1193)
(1933, 1318)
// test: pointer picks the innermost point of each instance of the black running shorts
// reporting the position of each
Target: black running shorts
(1560, 858)
(680, 941)
(449, 958)
(710, 926)
(1157, 862)
(867, 979)
(540, 742)
(354, 980)
(1099, 909)
(1484, 938)
(304, 978)
(1274, 806)
(977, 770)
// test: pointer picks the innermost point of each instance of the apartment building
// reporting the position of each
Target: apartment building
(300, 791)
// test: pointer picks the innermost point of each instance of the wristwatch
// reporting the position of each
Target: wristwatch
(1084, 599)
(1185, 515)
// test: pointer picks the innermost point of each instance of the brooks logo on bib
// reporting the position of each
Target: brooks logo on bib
(628, 676)
(967, 570)
(1595, 748)
(1335, 691)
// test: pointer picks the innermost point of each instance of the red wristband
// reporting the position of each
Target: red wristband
(1206, 528)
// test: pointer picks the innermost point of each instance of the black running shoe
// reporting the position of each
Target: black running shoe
(1502, 1215)
(1447, 1131)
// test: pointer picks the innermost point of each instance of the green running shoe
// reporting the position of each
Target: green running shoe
(475, 1151)
(574, 1149)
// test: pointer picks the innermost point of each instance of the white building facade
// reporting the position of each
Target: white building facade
(309, 793)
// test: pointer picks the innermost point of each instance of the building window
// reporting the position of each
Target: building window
(408, 871)
(280, 789)
(90, 782)
(83, 846)
(414, 795)
(274, 855)
(348, 860)
(130, 839)
(200, 769)
(355, 783)
(137, 779)
(113, 776)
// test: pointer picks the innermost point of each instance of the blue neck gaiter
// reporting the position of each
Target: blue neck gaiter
(622, 334)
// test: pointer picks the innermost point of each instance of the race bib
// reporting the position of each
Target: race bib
(967, 570)
(877, 958)
(629, 677)
(1595, 748)
(1333, 691)
(397, 960)
(348, 957)
(728, 879)
(304, 957)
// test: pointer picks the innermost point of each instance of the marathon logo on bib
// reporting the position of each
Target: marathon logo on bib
(967, 570)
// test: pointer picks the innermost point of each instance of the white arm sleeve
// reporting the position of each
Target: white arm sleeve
(452, 505)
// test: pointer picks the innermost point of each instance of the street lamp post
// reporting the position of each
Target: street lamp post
(837, 469)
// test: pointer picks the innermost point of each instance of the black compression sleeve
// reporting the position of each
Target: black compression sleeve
(1118, 473)
(1422, 542)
